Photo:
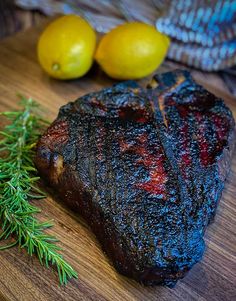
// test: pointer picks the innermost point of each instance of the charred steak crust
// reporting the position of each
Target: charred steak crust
(145, 168)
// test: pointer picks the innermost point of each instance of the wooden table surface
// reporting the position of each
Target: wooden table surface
(23, 278)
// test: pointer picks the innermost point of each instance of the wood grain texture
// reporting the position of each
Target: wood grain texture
(24, 279)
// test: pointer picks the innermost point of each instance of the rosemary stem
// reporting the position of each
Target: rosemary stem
(17, 186)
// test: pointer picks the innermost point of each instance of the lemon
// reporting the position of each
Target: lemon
(66, 47)
(131, 51)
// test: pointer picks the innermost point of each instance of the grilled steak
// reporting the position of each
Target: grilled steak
(145, 168)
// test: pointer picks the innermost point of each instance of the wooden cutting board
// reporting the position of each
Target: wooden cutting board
(23, 278)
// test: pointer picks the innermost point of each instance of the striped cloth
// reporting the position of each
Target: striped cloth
(203, 33)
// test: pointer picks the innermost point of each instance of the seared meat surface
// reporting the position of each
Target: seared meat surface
(145, 168)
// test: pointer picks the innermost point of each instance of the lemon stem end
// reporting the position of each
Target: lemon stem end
(55, 67)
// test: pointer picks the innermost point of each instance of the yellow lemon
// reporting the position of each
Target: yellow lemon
(66, 47)
(131, 51)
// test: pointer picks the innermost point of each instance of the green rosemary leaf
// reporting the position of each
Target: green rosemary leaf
(8, 246)
(17, 187)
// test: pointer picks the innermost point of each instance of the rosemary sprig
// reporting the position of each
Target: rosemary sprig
(18, 178)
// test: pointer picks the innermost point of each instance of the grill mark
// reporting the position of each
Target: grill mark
(98, 153)
(121, 174)
(91, 153)
(82, 159)
(108, 160)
